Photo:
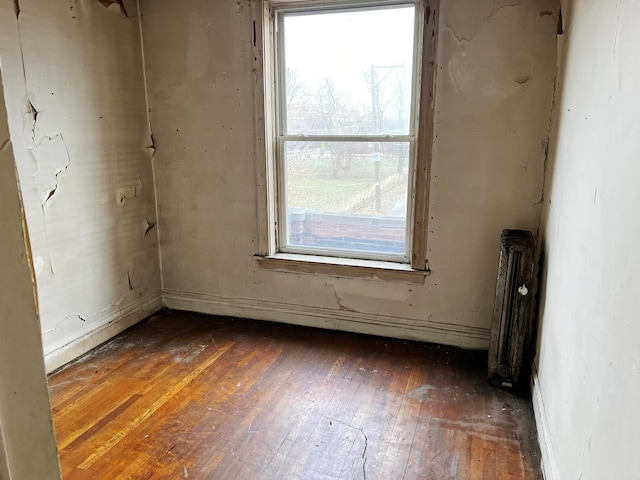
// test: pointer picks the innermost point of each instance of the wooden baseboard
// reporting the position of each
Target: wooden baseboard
(548, 460)
(345, 320)
(72, 347)
(94, 334)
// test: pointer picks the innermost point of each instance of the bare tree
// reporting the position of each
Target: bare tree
(295, 87)
(386, 88)
(326, 110)
(333, 113)
(295, 95)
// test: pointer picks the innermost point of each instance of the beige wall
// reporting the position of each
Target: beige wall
(587, 385)
(494, 84)
(86, 178)
(27, 442)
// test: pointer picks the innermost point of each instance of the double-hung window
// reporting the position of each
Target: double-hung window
(342, 118)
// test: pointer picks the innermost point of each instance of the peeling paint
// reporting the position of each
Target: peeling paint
(114, 6)
(462, 72)
(560, 24)
(344, 307)
(30, 118)
(48, 154)
(51, 268)
(150, 148)
(355, 297)
(466, 38)
(125, 193)
(38, 265)
(78, 122)
(117, 303)
(148, 226)
(27, 441)
(617, 31)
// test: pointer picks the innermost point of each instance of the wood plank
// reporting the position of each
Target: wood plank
(211, 397)
(422, 181)
(146, 413)
(341, 267)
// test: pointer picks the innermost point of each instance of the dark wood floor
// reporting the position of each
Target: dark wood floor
(191, 396)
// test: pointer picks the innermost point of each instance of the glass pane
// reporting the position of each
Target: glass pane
(347, 196)
(349, 73)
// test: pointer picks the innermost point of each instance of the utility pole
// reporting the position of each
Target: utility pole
(377, 122)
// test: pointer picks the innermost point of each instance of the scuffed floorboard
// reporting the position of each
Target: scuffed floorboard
(193, 396)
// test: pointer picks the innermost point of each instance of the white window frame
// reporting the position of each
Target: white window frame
(270, 207)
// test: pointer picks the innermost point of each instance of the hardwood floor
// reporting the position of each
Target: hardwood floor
(193, 396)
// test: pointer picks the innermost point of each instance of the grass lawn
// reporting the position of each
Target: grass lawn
(312, 184)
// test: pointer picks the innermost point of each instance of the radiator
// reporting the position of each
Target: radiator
(511, 336)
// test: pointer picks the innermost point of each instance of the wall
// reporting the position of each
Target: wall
(494, 85)
(77, 114)
(27, 442)
(587, 384)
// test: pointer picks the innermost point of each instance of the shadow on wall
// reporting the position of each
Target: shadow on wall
(550, 164)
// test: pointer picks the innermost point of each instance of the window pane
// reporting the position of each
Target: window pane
(347, 196)
(349, 73)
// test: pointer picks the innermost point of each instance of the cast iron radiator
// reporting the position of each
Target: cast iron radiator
(511, 336)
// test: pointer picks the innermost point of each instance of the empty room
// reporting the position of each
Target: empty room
(319, 239)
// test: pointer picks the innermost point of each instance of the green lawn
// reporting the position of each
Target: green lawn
(312, 183)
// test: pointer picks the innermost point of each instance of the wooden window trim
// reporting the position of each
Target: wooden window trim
(343, 267)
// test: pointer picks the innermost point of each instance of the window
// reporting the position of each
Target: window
(342, 123)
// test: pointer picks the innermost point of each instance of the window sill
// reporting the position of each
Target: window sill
(343, 267)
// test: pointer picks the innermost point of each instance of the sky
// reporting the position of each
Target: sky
(344, 45)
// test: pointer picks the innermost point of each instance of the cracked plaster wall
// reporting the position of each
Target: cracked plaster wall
(495, 75)
(587, 385)
(27, 441)
(77, 117)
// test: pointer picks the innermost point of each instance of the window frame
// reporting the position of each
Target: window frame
(267, 101)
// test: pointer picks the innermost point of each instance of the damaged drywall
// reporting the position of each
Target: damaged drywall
(495, 73)
(356, 296)
(52, 160)
(27, 440)
(77, 111)
(123, 7)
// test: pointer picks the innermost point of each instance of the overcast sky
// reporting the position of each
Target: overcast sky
(344, 45)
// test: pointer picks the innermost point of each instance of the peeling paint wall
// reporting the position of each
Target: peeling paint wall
(495, 79)
(27, 441)
(587, 385)
(77, 114)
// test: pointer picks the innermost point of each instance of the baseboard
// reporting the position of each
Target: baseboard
(548, 460)
(345, 320)
(94, 334)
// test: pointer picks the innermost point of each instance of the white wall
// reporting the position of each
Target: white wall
(86, 178)
(587, 385)
(27, 442)
(494, 86)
